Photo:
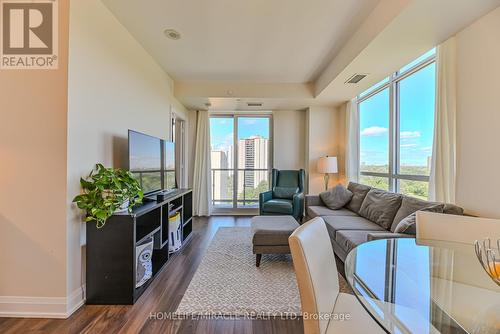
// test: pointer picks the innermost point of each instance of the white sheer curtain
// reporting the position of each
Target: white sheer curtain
(443, 170)
(352, 141)
(202, 195)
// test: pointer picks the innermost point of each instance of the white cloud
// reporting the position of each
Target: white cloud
(410, 134)
(427, 149)
(408, 145)
(249, 121)
(374, 131)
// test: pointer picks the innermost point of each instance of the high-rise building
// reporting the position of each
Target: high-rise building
(252, 154)
(219, 178)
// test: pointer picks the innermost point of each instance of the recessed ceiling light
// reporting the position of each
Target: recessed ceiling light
(172, 34)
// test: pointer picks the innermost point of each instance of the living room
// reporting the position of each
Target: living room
(302, 154)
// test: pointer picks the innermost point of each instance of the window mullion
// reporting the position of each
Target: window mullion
(392, 137)
(235, 162)
(397, 138)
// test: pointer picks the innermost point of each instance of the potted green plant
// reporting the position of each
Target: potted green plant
(107, 191)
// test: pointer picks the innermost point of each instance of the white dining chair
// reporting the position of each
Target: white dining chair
(318, 283)
(453, 228)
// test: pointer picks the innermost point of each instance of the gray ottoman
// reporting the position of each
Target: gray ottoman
(270, 235)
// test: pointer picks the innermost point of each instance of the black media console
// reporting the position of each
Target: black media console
(110, 251)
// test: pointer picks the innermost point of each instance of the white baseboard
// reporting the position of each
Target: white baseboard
(75, 300)
(41, 307)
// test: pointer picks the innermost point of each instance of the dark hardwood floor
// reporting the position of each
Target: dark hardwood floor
(163, 296)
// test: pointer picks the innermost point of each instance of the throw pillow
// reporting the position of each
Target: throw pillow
(359, 193)
(380, 207)
(408, 206)
(285, 192)
(408, 225)
(336, 197)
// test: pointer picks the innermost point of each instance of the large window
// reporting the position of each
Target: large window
(240, 157)
(397, 129)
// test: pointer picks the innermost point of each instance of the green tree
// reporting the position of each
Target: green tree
(253, 193)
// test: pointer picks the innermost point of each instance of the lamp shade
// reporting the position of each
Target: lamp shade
(327, 165)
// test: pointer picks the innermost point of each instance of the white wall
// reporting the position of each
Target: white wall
(114, 85)
(33, 115)
(324, 128)
(478, 116)
(289, 139)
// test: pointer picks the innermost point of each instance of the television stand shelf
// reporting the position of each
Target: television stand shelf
(111, 250)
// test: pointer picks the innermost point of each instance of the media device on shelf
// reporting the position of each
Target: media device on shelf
(152, 162)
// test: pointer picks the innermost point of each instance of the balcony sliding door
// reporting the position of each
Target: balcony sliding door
(241, 155)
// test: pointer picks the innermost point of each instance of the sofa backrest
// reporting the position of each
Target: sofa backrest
(410, 205)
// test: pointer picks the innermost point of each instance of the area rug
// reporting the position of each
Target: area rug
(227, 282)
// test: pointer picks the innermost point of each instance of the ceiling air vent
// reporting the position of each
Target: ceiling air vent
(356, 78)
(254, 104)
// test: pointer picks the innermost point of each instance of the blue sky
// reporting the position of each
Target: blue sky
(222, 130)
(417, 99)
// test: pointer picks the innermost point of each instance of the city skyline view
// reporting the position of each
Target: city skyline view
(252, 160)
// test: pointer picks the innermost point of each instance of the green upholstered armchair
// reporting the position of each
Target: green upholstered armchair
(286, 196)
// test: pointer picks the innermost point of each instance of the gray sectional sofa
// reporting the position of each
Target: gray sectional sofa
(371, 214)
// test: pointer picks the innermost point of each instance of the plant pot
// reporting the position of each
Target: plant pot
(123, 208)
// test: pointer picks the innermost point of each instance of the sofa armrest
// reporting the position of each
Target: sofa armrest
(387, 235)
(264, 197)
(313, 200)
(298, 205)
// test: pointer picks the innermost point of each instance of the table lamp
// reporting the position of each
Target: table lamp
(327, 165)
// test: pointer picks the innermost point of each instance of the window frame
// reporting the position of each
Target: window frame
(393, 174)
(235, 169)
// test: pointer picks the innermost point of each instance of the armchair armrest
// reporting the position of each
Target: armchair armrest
(387, 235)
(264, 197)
(298, 205)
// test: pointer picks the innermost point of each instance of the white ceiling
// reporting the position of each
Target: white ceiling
(288, 54)
(287, 41)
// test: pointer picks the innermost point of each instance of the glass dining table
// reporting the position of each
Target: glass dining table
(424, 286)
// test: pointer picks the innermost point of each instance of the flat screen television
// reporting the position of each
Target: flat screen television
(151, 161)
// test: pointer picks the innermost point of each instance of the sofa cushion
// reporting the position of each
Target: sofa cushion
(350, 239)
(283, 206)
(410, 205)
(285, 192)
(321, 211)
(408, 225)
(359, 192)
(380, 207)
(336, 197)
(337, 223)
